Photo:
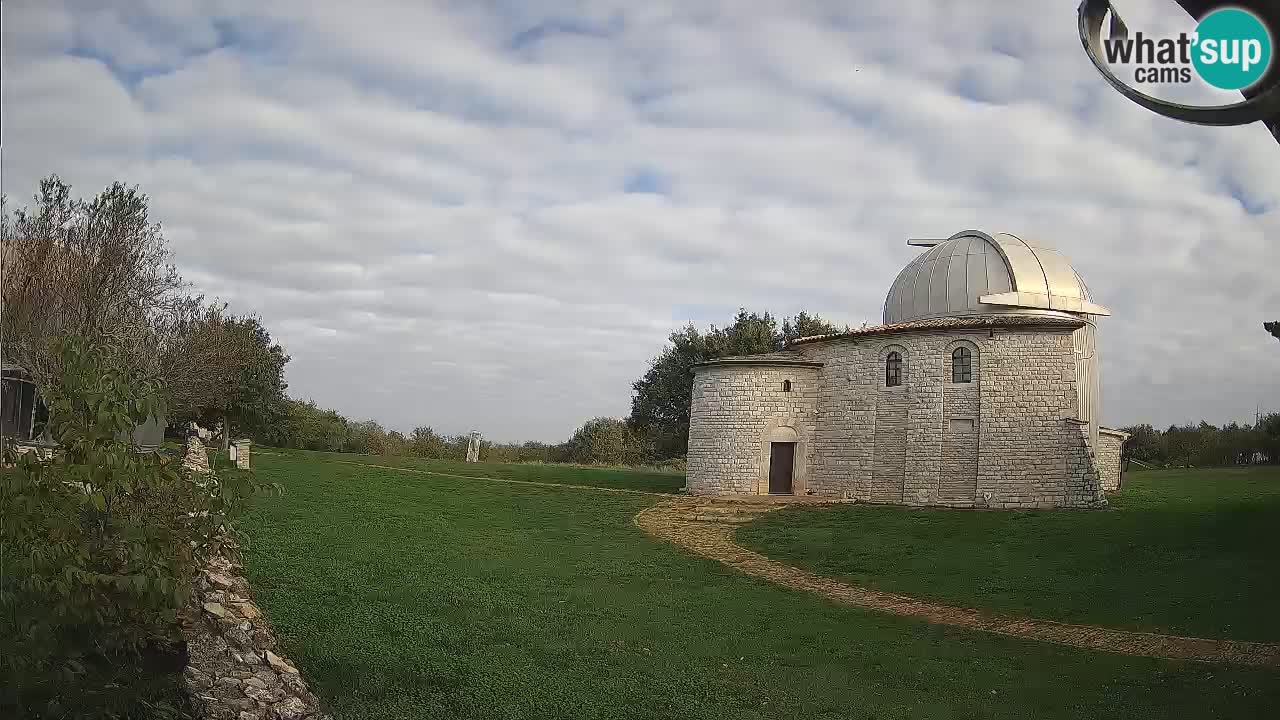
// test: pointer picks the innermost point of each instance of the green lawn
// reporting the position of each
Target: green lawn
(415, 596)
(649, 480)
(1184, 551)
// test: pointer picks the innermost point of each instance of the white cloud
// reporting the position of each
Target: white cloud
(427, 204)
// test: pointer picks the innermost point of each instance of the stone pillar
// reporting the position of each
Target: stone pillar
(242, 454)
(473, 447)
(196, 459)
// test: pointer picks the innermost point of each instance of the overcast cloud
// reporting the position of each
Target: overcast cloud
(491, 215)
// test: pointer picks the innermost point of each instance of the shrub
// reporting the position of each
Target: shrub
(98, 547)
(607, 441)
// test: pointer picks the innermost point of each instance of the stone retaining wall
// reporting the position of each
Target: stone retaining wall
(233, 671)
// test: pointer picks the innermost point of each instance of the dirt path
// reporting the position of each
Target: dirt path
(706, 526)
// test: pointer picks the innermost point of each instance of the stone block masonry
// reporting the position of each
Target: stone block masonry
(1010, 438)
(195, 458)
(736, 412)
(233, 671)
(242, 454)
(1110, 449)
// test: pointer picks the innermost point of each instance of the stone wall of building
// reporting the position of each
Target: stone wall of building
(1083, 484)
(1029, 449)
(961, 425)
(1110, 449)
(736, 409)
(1005, 440)
(841, 453)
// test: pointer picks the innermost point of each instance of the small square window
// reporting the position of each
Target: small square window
(786, 386)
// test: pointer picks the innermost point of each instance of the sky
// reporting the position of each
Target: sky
(491, 215)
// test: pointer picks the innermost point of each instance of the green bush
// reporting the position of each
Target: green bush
(98, 547)
(608, 441)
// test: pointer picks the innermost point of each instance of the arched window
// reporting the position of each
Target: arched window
(961, 365)
(893, 369)
(786, 386)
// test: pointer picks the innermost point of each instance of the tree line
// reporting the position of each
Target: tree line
(307, 426)
(656, 432)
(1205, 444)
(101, 270)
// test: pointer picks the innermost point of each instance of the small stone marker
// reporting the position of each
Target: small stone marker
(196, 459)
(241, 456)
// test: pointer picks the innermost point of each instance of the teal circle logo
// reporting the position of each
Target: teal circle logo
(1232, 49)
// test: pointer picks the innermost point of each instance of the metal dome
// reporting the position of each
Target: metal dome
(973, 273)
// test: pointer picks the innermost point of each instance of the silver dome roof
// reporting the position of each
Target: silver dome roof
(974, 273)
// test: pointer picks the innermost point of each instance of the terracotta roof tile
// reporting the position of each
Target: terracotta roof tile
(785, 357)
(950, 323)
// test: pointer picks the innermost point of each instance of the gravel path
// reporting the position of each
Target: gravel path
(705, 526)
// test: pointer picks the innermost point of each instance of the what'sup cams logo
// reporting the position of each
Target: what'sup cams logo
(1230, 49)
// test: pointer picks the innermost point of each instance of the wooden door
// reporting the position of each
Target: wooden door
(782, 462)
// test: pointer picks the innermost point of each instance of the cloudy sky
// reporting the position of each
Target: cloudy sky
(491, 215)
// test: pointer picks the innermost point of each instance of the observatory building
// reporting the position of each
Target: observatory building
(979, 390)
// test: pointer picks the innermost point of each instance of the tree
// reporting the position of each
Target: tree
(425, 443)
(660, 404)
(1144, 444)
(1205, 445)
(661, 399)
(608, 441)
(806, 325)
(309, 427)
(396, 444)
(1273, 328)
(101, 270)
(106, 542)
(250, 397)
(368, 437)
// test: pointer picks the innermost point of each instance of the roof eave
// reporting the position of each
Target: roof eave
(725, 362)
(974, 322)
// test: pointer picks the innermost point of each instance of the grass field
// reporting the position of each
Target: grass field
(625, 478)
(1190, 552)
(416, 596)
